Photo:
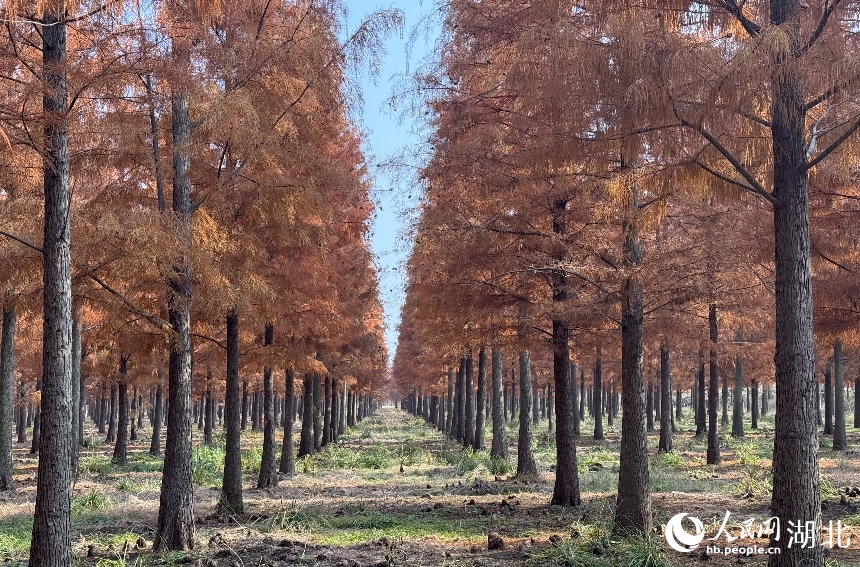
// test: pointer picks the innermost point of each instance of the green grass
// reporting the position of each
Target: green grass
(92, 501)
(15, 536)
(97, 465)
(207, 465)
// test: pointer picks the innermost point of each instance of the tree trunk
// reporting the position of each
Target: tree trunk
(103, 407)
(318, 411)
(208, 413)
(649, 408)
(754, 413)
(839, 440)
(51, 539)
(22, 414)
(499, 447)
(7, 399)
(113, 410)
(481, 400)
(566, 489)
(597, 398)
(828, 401)
(701, 415)
(268, 474)
(326, 433)
(132, 418)
(306, 439)
(535, 406)
(450, 423)
(78, 396)
(461, 401)
(679, 410)
(157, 418)
(575, 399)
(244, 405)
(176, 529)
(525, 459)
(713, 453)
(856, 402)
(469, 433)
(231, 501)
(120, 449)
(665, 443)
(738, 398)
(725, 398)
(633, 506)
(288, 456)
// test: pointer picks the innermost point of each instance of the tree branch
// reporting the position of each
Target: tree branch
(22, 241)
(828, 11)
(836, 143)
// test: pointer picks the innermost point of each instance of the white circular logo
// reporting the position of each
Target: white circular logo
(678, 538)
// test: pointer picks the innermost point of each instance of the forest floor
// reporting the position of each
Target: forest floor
(394, 492)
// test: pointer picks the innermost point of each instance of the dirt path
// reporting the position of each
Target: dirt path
(394, 492)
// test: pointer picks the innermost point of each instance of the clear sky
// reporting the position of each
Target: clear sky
(385, 138)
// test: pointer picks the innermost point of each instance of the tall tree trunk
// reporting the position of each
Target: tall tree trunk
(525, 459)
(51, 539)
(326, 439)
(306, 439)
(244, 405)
(268, 473)
(132, 418)
(21, 424)
(725, 399)
(157, 418)
(738, 398)
(795, 453)
(633, 506)
(535, 406)
(208, 412)
(334, 410)
(566, 489)
(78, 395)
(469, 436)
(37, 421)
(665, 443)
(288, 456)
(176, 529)
(461, 401)
(318, 411)
(713, 453)
(231, 501)
(701, 415)
(499, 447)
(679, 410)
(113, 410)
(575, 399)
(7, 400)
(597, 397)
(828, 401)
(103, 406)
(450, 419)
(649, 408)
(120, 449)
(754, 412)
(344, 398)
(839, 440)
(856, 403)
(480, 400)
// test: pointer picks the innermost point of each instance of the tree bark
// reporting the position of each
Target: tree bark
(77, 396)
(7, 399)
(525, 459)
(665, 443)
(480, 400)
(460, 420)
(51, 538)
(633, 506)
(207, 411)
(597, 398)
(157, 418)
(306, 439)
(566, 489)
(828, 401)
(268, 473)
(176, 528)
(649, 408)
(450, 418)
(469, 433)
(120, 450)
(701, 415)
(713, 453)
(839, 440)
(754, 412)
(738, 398)
(113, 410)
(231, 501)
(326, 434)
(318, 411)
(499, 447)
(244, 405)
(288, 457)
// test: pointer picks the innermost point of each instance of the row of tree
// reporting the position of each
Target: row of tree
(683, 173)
(182, 195)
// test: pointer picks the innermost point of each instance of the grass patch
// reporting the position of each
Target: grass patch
(207, 466)
(93, 501)
(643, 551)
(15, 536)
(97, 465)
(671, 459)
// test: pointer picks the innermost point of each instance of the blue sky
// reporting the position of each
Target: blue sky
(386, 137)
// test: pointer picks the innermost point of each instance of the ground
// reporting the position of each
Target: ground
(394, 492)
